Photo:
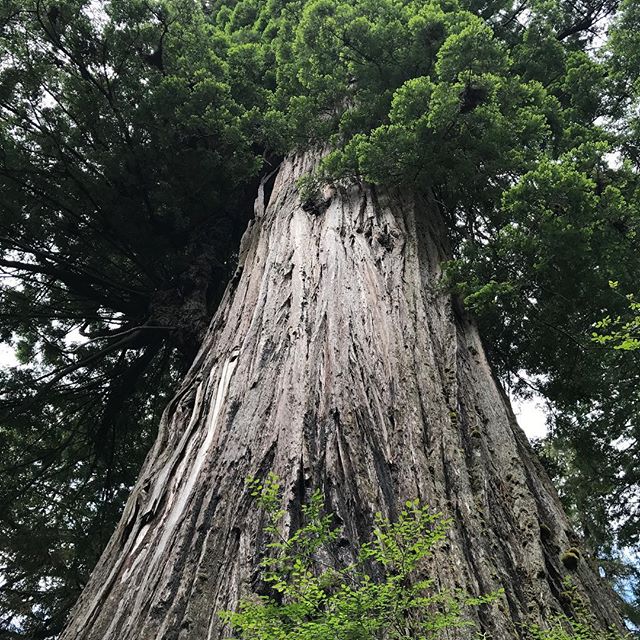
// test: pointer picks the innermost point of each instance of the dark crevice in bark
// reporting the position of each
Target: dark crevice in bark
(298, 496)
(554, 578)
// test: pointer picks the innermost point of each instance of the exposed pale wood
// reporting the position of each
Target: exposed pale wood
(336, 361)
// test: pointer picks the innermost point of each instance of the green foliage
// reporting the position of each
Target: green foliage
(622, 334)
(133, 135)
(417, 93)
(382, 594)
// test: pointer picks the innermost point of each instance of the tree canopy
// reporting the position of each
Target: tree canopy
(133, 137)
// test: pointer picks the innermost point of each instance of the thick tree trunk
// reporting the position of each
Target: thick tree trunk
(337, 362)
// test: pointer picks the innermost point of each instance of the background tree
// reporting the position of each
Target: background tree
(134, 138)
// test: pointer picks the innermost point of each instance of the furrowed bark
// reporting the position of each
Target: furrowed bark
(336, 361)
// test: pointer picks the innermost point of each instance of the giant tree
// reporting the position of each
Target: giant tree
(338, 357)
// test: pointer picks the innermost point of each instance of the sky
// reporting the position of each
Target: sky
(7, 358)
(532, 416)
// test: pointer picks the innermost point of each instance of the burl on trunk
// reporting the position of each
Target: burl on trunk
(336, 361)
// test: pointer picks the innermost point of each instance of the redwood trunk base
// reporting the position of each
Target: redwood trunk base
(336, 361)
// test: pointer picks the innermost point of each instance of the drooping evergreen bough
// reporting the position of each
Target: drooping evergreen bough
(135, 138)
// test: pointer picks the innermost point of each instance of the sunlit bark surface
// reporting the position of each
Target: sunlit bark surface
(336, 361)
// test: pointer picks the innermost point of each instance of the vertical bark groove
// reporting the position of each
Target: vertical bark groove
(335, 361)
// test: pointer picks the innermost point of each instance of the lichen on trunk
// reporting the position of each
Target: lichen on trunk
(338, 362)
